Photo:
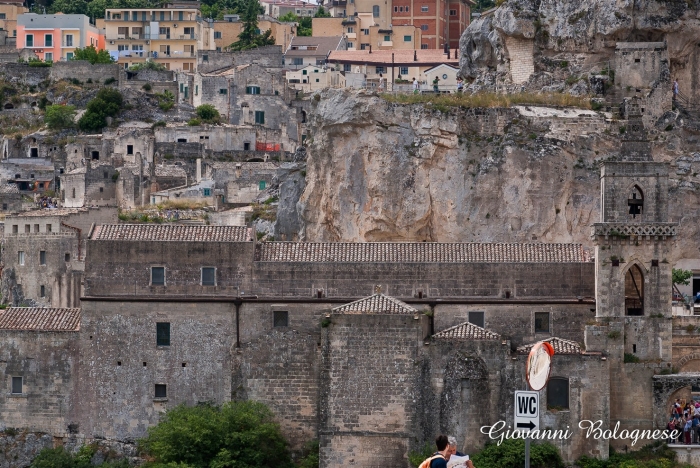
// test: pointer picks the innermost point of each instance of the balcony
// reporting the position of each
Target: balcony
(351, 35)
(386, 44)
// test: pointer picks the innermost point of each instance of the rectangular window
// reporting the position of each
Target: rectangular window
(252, 89)
(67, 257)
(69, 55)
(36, 228)
(351, 29)
(223, 91)
(207, 192)
(163, 334)
(400, 9)
(48, 57)
(161, 391)
(48, 228)
(453, 12)
(407, 8)
(297, 61)
(365, 32)
(2, 16)
(396, 9)
(15, 229)
(375, 11)
(208, 276)
(347, 67)
(387, 38)
(27, 229)
(17, 385)
(29, 41)
(424, 9)
(205, 58)
(196, 90)
(129, 149)
(42, 257)
(380, 70)
(407, 38)
(280, 318)
(260, 117)
(476, 318)
(424, 27)
(262, 185)
(69, 40)
(48, 40)
(20, 257)
(217, 34)
(403, 70)
(180, 15)
(424, 46)
(541, 322)
(42, 291)
(158, 276)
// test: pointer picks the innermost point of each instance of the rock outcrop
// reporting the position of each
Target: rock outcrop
(378, 171)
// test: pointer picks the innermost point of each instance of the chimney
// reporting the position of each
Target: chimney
(415, 55)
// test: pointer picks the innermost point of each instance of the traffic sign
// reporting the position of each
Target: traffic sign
(527, 411)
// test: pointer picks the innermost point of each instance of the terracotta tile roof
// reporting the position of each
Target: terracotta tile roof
(171, 232)
(560, 345)
(40, 319)
(376, 304)
(420, 252)
(466, 331)
(424, 57)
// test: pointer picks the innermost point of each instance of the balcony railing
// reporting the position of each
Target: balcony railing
(152, 37)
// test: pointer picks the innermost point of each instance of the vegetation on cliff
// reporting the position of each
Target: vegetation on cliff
(443, 101)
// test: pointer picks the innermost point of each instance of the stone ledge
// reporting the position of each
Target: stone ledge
(634, 230)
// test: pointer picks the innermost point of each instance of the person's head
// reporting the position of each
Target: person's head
(452, 444)
(441, 442)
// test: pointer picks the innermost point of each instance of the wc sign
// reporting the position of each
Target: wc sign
(527, 411)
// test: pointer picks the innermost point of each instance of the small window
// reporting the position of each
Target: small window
(407, 38)
(375, 11)
(541, 322)
(42, 257)
(158, 276)
(217, 34)
(208, 276)
(161, 391)
(403, 71)
(380, 70)
(396, 9)
(262, 185)
(252, 89)
(36, 228)
(48, 40)
(387, 38)
(17, 385)
(27, 229)
(207, 192)
(453, 12)
(102, 189)
(205, 58)
(163, 334)
(15, 229)
(476, 318)
(20, 257)
(48, 228)
(223, 91)
(129, 149)
(424, 27)
(280, 318)
(95, 155)
(423, 46)
(260, 117)
(105, 174)
(424, 8)
(29, 41)
(42, 291)
(67, 257)
(4, 206)
(558, 393)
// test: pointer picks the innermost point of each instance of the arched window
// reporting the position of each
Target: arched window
(634, 291)
(558, 393)
(636, 202)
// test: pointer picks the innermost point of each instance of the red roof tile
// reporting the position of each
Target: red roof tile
(466, 331)
(376, 304)
(40, 319)
(420, 252)
(560, 345)
(171, 232)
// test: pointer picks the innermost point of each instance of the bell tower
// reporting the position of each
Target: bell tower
(633, 276)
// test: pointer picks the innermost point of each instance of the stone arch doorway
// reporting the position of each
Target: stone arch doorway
(634, 291)
(463, 403)
(667, 388)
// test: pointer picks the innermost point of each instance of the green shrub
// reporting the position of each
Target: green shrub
(147, 87)
(160, 123)
(631, 358)
(58, 116)
(110, 80)
(107, 103)
(208, 113)
(166, 100)
(511, 453)
(147, 65)
(194, 122)
(309, 455)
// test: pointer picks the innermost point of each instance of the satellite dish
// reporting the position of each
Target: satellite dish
(539, 364)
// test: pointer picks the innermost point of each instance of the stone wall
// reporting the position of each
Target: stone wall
(639, 64)
(268, 57)
(83, 71)
(520, 53)
(24, 74)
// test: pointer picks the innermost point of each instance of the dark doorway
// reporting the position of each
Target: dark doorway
(34, 152)
(634, 291)
(95, 155)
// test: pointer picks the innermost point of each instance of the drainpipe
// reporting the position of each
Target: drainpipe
(237, 302)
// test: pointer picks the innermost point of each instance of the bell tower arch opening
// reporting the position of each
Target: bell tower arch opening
(634, 291)
(635, 202)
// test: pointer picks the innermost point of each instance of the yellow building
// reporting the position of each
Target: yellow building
(226, 32)
(362, 32)
(9, 9)
(170, 36)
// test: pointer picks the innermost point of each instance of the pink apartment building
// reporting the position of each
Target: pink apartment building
(55, 37)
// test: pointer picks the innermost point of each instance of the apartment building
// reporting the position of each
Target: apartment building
(9, 10)
(226, 32)
(361, 33)
(441, 22)
(55, 37)
(277, 8)
(170, 36)
(305, 50)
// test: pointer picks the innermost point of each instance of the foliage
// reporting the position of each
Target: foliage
(92, 55)
(166, 100)
(656, 455)
(107, 103)
(58, 116)
(237, 434)
(321, 13)
(416, 457)
(303, 24)
(681, 276)
(631, 358)
(511, 454)
(250, 37)
(34, 62)
(194, 122)
(60, 458)
(482, 5)
(110, 80)
(147, 65)
(208, 113)
(147, 87)
(490, 99)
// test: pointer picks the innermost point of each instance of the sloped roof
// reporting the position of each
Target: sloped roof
(560, 345)
(424, 57)
(171, 232)
(40, 319)
(420, 252)
(466, 331)
(376, 304)
(324, 46)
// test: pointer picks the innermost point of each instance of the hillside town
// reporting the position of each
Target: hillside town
(354, 223)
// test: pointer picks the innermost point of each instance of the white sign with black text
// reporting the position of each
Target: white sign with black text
(527, 411)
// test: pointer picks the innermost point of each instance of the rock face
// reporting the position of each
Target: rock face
(378, 171)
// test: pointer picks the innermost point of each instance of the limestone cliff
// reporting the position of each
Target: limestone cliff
(378, 171)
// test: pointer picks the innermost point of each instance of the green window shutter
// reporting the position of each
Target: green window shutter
(262, 184)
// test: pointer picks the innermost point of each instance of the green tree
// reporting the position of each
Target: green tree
(322, 13)
(304, 28)
(250, 36)
(681, 276)
(69, 7)
(107, 103)
(92, 55)
(208, 113)
(288, 18)
(237, 434)
(58, 116)
(511, 453)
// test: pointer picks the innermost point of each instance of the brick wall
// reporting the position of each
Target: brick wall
(520, 52)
